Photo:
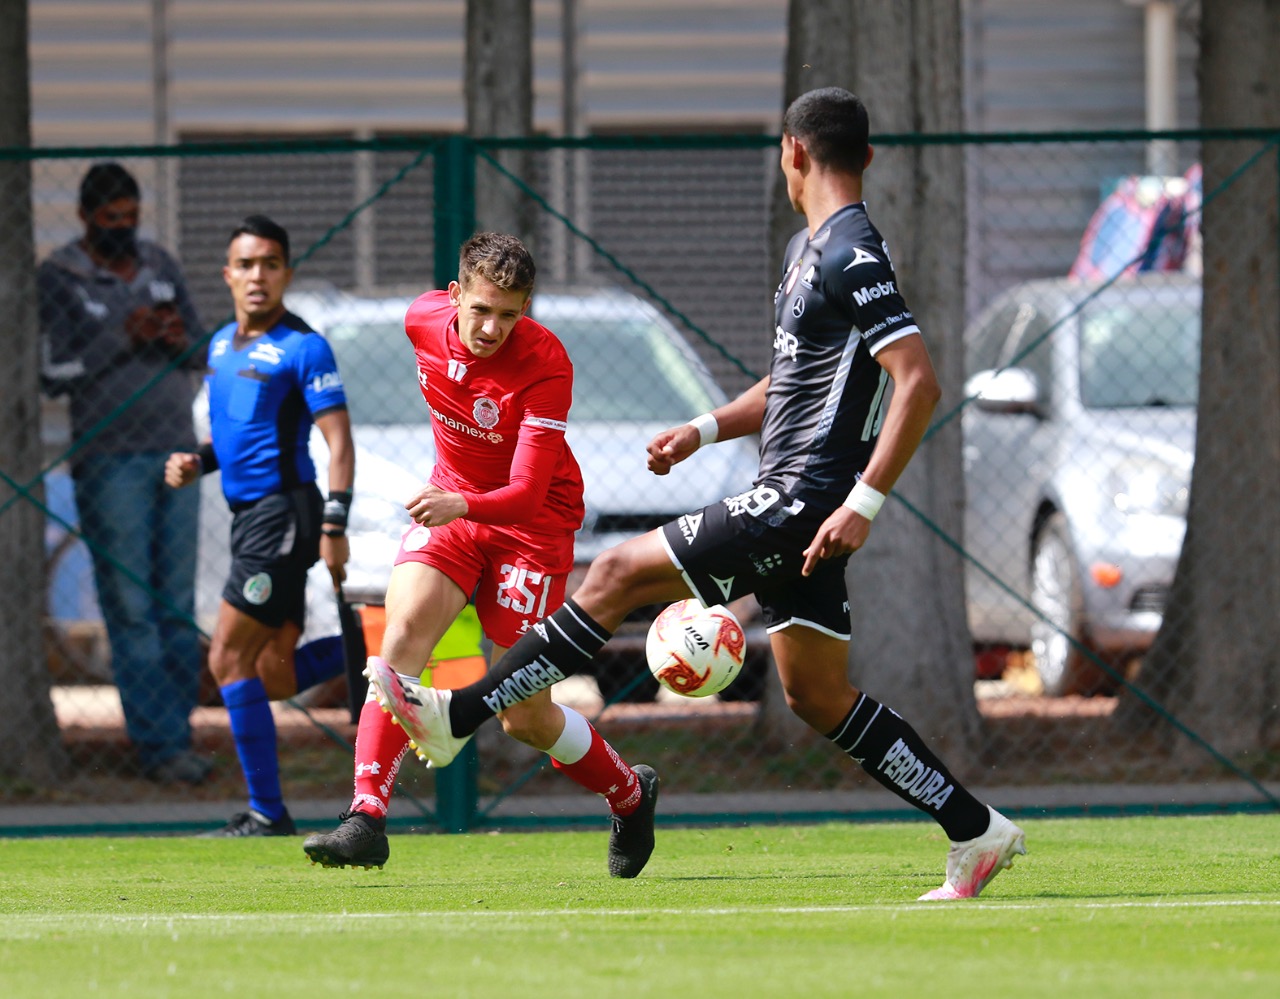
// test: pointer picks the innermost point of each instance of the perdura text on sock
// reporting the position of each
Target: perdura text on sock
(523, 684)
(923, 783)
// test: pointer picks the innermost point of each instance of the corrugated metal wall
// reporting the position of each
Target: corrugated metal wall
(291, 67)
(390, 65)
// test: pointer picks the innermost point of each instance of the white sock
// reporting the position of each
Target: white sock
(574, 741)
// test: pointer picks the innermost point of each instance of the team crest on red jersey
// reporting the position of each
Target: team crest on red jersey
(485, 412)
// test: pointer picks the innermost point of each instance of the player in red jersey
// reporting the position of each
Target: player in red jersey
(494, 525)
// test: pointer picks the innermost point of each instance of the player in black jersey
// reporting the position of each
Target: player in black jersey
(830, 450)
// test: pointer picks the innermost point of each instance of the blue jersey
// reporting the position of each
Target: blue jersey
(264, 394)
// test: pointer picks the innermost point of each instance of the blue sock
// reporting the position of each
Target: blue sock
(254, 730)
(317, 661)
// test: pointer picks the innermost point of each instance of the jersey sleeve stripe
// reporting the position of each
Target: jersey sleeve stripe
(538, 421)
(892, 338)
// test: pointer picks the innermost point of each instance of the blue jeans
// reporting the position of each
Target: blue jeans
(142, 536)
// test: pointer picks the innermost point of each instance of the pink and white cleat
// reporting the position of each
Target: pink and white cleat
(972, 864)
(423, 712)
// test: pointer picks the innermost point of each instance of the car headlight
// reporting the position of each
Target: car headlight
(1148, 485)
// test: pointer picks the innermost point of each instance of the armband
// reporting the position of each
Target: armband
(864, 500)
(336, 510)
(208, 458)
(708, 429)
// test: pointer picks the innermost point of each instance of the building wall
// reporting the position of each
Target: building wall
(382, 67)
(389, 65)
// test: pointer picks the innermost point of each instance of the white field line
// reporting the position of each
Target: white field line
(315, 919)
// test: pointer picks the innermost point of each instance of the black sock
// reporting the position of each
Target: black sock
(556, 647)
(891, 751)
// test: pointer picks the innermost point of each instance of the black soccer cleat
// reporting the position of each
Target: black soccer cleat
(253, 823)
(631, 842)
(360, 840)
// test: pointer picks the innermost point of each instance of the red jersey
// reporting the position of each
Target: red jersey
(485, 408)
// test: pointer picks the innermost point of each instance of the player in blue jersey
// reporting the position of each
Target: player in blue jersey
(830, 449)
(270, 378)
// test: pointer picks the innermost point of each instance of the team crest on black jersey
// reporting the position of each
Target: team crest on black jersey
(792, 275)
(485, 412)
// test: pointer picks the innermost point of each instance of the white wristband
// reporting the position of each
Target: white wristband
(864, 500)
(707, 427)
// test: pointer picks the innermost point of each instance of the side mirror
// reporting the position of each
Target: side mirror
(1013, 390)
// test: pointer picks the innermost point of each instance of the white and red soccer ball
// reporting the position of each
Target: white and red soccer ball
(695, 651)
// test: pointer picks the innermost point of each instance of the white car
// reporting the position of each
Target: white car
(634, 375)
(1078, 446)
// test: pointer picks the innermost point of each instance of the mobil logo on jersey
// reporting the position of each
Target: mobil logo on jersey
(872, 291)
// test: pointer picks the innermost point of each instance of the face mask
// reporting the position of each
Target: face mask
(113, 243)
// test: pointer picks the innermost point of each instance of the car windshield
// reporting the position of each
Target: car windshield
(1139, 354)
(624, 370)
(629, 370)
(378, 372)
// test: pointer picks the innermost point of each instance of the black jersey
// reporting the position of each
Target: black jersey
(837, 305)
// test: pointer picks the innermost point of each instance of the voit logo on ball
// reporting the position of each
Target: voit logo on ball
(695, 651)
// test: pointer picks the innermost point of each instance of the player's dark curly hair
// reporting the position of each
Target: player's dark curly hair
(264, 228)
(832, 123)
(500, 259)
(105, 183)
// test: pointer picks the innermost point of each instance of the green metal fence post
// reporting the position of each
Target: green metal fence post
(455, 204)
(457, 785)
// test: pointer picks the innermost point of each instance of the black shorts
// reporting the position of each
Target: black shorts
(754, 543)
(274, 541)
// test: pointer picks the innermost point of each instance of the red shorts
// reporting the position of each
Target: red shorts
(513, 580)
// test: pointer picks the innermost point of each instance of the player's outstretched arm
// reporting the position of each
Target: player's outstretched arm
(670, 447)
(742, 416)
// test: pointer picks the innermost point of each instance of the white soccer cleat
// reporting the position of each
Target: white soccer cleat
(423, 712)
(972, 864)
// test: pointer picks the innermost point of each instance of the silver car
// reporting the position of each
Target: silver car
(1078, 445)
(634, 375)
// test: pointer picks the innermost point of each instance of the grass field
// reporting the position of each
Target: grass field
(1103, 907)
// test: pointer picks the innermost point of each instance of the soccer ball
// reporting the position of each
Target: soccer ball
(695, 651)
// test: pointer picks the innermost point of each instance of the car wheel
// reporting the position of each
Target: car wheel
(1058, 600)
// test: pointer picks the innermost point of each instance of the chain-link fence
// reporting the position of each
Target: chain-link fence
(1078, 411)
